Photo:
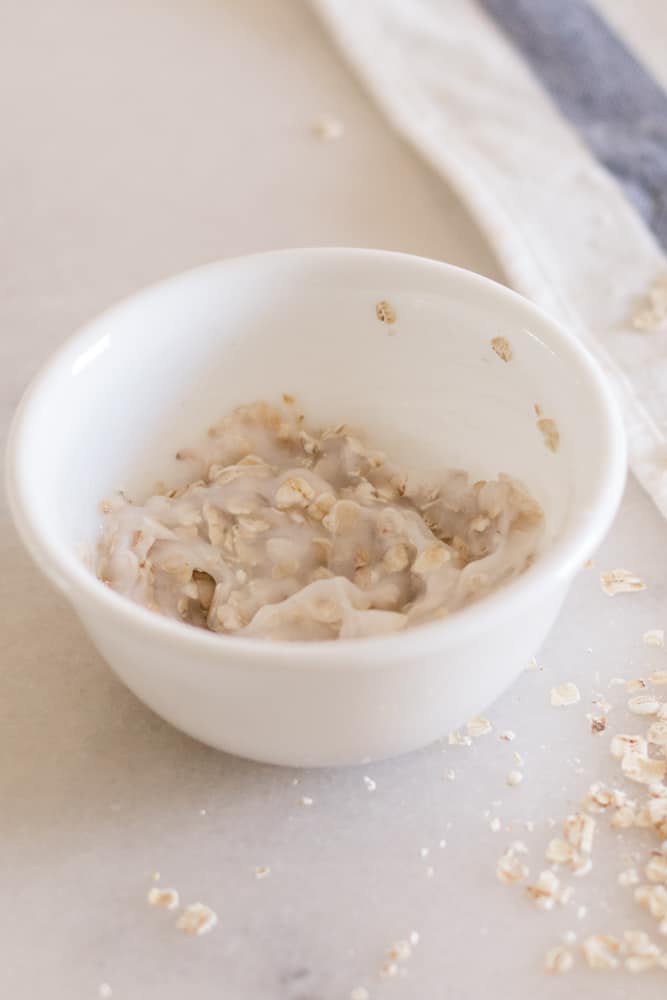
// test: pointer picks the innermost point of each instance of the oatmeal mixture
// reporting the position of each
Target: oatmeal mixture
(290, 533)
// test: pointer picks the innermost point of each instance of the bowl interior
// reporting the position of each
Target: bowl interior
(152, 374)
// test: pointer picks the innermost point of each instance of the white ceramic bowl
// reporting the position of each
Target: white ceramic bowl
(117, 400)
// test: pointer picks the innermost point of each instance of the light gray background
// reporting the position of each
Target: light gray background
(140, 138)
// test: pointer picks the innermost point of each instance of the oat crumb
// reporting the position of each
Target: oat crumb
(598, 723)
(197, 918)
(510, 868)
(479, 726)
(508, 735)
(620, 581)
(369, 783)
(385, 313)
(652, 315)
(457, 739)
(558, 960)
(514, 778)
(167, 899)
(450, 774)
(550, 433)
(564, 694)
(359, 993)
(601, 951)
(262, 871)
(622, 743)
(654, 637)
(306, 800)
(400, 952)
(328, 127)
(628, 877)
(502, 347)
(644, 704)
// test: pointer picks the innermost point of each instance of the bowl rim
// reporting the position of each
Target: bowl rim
(557, 565)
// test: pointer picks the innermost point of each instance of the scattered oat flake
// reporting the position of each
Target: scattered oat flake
(502, 347)
(657, 734)
(478, 726)
(550, 433)
(517, 758)
(306, 800)
(658, 677)
(495, 824)
(359, 993)
(620, 581)
(558, 960)
(628, 877)
(656, 868)
(413, 937)
(654, 637)
(638, 767)
(579, 830)
(507, 736)
(560, 852)
(564, 694)
(457, 739)
(510, 868)
(424, 852)
(197, 918)
(621, 743)
(598, 723)
(533, 664)
(652, 315)
(262, 871)
(547, 890)
(167, 899)
(601, 951)
(328, 127)
(644, 704)
(514, 778)
(369, 783)
(450, 774)
(385, 313)
(400, 952)
(389, 970)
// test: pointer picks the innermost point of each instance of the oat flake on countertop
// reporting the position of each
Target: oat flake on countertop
(620, 581)
(166, 899)
(558, 960)
(197, 918)
(565, 694)
(502, 347)
(328, 127)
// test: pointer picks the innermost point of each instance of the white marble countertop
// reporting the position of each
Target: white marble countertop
(138, 139)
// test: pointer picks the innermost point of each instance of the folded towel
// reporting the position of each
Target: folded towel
(549, 118)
